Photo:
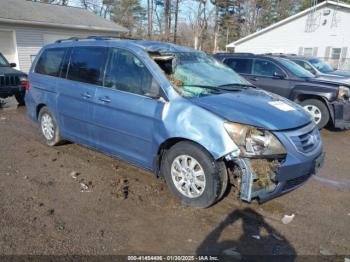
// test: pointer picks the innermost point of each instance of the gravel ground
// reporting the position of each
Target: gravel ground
(72, 200)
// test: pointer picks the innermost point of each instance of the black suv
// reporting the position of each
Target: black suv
(327, 101)
(12, 81)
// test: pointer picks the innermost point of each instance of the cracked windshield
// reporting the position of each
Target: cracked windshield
(197, 74)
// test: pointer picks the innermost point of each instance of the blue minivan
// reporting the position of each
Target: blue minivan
(175, 111)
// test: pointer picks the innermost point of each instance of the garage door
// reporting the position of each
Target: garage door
(7, 46)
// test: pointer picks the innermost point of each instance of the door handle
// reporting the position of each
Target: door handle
(86, 95)
(105, 99)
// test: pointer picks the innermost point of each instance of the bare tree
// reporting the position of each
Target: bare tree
(166, 19)
(176, 14)
(199, 22)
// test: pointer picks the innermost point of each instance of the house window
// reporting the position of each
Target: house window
(335, 54)
(308, 51)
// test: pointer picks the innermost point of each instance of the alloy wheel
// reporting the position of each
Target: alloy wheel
(188, 176)
(315, 112)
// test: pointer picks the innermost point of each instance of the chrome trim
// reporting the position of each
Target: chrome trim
(302, 131)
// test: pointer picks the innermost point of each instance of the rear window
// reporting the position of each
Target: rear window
(87, 64)
(50, 62)
(242, 66)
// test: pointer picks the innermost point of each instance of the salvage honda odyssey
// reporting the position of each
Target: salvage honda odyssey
(175, 111)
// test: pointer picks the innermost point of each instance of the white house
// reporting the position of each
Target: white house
(26, 26)
(322, 31)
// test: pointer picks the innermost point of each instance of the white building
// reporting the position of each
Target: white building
(26, 26)
(322, 31)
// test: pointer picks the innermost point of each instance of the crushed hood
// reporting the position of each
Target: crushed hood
(257, 108)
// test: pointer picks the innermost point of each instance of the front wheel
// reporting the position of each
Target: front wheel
(193, 175)
(318, 110)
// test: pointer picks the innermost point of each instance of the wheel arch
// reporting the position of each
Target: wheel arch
(38, 108)
(302, 97)
(166, 145)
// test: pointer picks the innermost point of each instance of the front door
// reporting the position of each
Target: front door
(125, 115)
(268, 76)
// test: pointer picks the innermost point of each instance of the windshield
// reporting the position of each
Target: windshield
(321, 66)
(197, 74)
(3, 61)
(296, 69)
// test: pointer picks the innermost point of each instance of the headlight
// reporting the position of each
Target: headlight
(253, 141)
(343, 93)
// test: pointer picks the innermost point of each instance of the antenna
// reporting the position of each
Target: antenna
(312, 21)
(334, 17)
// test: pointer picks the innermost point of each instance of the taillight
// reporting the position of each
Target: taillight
(26, 85)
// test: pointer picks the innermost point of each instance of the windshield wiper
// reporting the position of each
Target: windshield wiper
(214, 88)
(245, 86)
(220, 88)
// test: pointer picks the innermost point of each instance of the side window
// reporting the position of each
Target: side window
(266, 68)
(50, 62)
(65, 63)
(127, 73)
(305, 66)
(87, 64)
(242, 66)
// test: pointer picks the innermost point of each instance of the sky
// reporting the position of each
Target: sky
(186, 7)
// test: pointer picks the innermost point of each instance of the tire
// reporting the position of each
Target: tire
(20, 99)
(49, 127)
(318, 110)
(210, 185)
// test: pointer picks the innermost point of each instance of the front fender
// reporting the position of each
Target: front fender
(301, 91)
(183, 119)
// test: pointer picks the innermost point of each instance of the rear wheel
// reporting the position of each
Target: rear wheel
(20, 99)
(193, 175)
(49, 127)
(318, 110)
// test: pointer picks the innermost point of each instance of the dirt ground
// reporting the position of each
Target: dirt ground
(72, 200)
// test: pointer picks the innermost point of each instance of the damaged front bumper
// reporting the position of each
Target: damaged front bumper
(341, 114)
(264, 179)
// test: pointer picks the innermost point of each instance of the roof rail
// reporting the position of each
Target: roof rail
(96, 38)
(280, 54)
(233, 53)
(67, 39)
(242, 53)
(112, 37)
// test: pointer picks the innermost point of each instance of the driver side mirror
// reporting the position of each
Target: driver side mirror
(13, 65)
(278, 75)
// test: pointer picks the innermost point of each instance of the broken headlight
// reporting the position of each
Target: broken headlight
(253, 141)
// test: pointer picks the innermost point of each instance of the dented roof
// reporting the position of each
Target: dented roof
(163, 47)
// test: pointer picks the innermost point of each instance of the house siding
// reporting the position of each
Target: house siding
(29, 40)
(29, 43)
(293, 38)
